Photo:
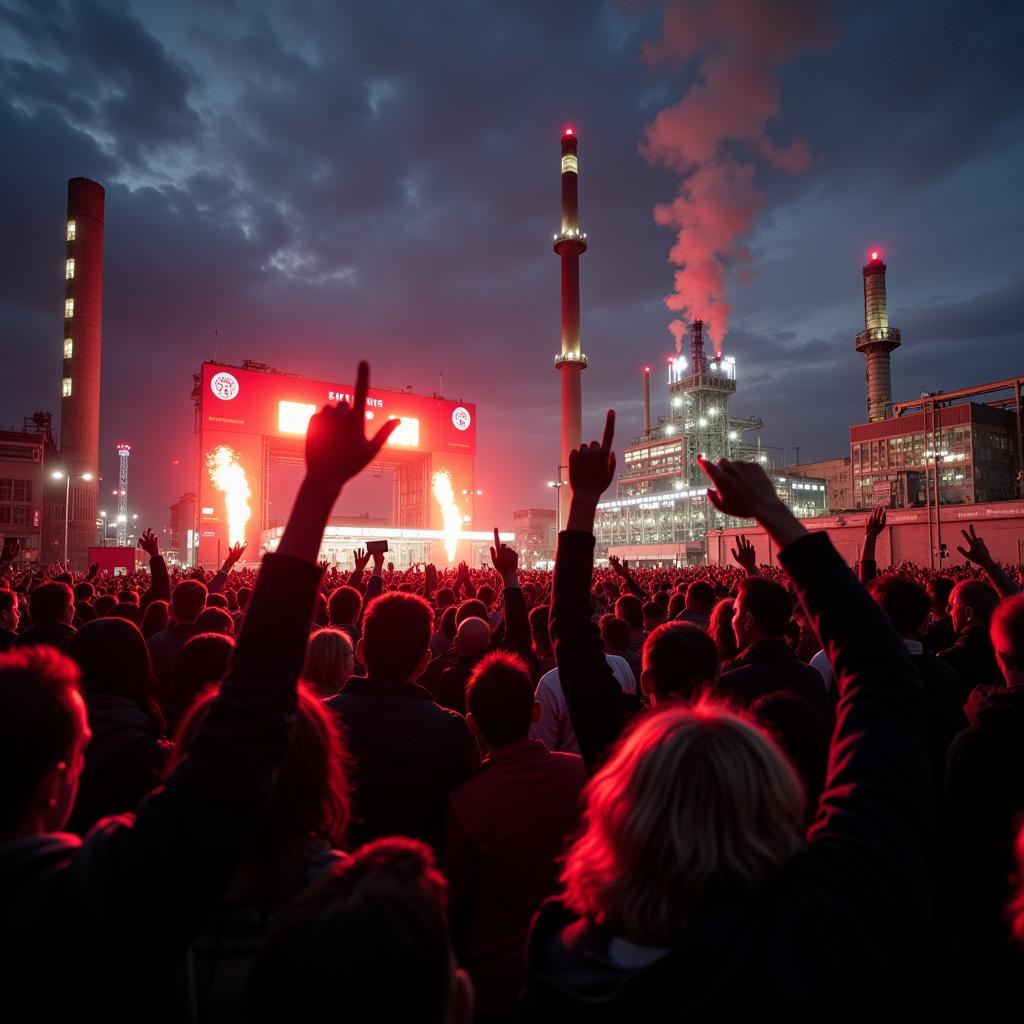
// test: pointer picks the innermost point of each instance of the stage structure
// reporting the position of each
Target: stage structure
(250, 418)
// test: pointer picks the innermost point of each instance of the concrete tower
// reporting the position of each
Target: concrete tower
(877, 340)
(80, 384)
(570, 243)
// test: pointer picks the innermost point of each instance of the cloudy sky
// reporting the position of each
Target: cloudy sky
(307, 183)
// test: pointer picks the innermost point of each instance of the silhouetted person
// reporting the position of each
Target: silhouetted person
(51, 607)
(971, 605)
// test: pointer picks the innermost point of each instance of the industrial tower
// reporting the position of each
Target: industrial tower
(123, 451)
(80, 380)
(877, 340)
(570, 243)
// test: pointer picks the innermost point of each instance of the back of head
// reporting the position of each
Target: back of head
(473, 637)
(654, 614)
(396, 635)
(768, 604)
(615, 633)
(445, 597)
(217, 601)
(905, 602)
(50, 603)
(486, 595)
(344, 606)
(330, 661)
(202, 661)
(977, 595)
(155, 618)
(696, 809)
(539, 630)
(367, 943)
(188, 599)
(679, 660)
(127, 597)
(700, 597)
(448, 617)
(939, 590)
(84, 591)
(310, 798)
(105, 604)
(720, 629)
(41, 721)
(1007, 632)
(215, 620)
(127, 611)
(500, 697)
(115, 662)
(471, 608)
(630, 608)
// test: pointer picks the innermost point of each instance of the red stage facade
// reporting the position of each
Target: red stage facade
(248, 419)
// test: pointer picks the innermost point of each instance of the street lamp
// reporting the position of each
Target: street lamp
(558, 485)
(66, 477)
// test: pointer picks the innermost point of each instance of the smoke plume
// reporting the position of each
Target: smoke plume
(716, 135)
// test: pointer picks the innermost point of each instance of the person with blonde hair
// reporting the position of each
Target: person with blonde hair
(330, 661)
(690, 893)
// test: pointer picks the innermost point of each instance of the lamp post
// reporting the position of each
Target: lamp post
(66, 477)
(558, 485)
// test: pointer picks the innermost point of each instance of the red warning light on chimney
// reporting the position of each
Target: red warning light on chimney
(874, 255)
(569, 131)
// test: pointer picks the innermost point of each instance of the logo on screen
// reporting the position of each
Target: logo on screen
(461, 418)
(224, 386)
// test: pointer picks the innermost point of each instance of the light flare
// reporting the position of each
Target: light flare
(444, 495)
(228, 476)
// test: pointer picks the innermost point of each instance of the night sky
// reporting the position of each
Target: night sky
(305, 184)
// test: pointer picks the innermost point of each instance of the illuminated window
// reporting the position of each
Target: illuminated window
(71, 230)
(69, 270)
(65, 387)
(293, 417)
(407, 433)
(69, 347)
(69, 308)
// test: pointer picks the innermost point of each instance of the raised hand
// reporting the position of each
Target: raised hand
(149, 543)
(378, 562)
(391, 566)
(324, 564)
(744, 555)
(876, 524)
(504, 559)
(361, 558)
(93, 571)
(337, 447)
(740, 488)
(592, 466)
(743, 489)
(614, 562)
(976, 550)
(235, 552)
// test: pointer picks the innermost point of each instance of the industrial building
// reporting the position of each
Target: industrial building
(26, 456)
(661, 513)
(536, 532)
(938, 462)
(837, 476)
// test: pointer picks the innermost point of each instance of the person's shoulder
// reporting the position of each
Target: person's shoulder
(548, 682)
(569, 765)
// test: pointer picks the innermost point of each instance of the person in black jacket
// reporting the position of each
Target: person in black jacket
(971, 605)
(984, 802)
(97, 927)
(833, 930)
(767, 662)
(408, 752)
(129, 748)
(51, 607)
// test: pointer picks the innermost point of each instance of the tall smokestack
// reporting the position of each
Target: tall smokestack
(877, 340)
(570, 243)
(80, 384)
(647, 401)
(697, 358)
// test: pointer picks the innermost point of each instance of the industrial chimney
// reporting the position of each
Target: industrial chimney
(877, 340)
(80, 379)
(570, 243)
(647, 401)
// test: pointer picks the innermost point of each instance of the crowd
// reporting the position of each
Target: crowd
(602, 794)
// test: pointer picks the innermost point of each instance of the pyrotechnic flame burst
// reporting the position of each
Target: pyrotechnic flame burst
(228, 476)
(444, 495)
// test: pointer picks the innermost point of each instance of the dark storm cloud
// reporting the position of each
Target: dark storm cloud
(304, 183)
